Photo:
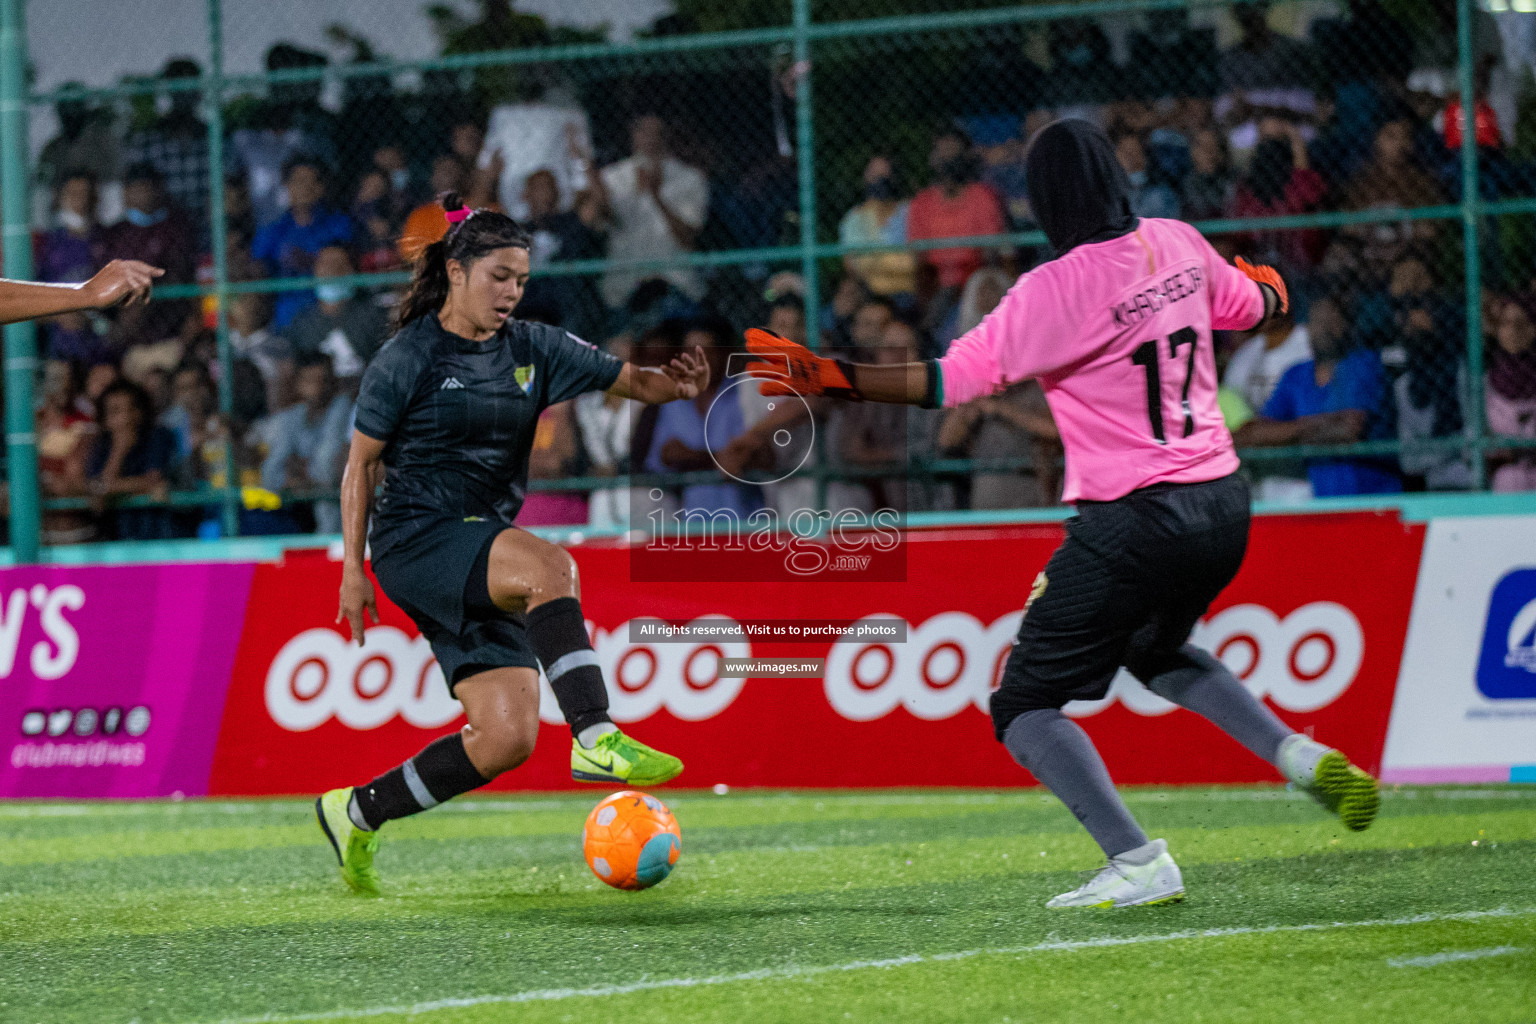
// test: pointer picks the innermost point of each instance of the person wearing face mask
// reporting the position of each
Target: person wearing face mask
(346, 326)
(155, 230)
(287, 247)
(69, 254)
(1148, 198)
(447, 420)
(176, 145)
(880, 218)
(954, 206)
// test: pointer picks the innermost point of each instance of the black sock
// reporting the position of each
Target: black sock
(441, 771)
(559, 637)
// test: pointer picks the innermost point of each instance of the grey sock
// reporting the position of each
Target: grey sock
(355, 813)
(1210, 690)
(1057, 751)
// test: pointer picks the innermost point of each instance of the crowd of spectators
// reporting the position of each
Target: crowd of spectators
(1351, 113)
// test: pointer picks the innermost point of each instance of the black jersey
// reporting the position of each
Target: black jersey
(458, 416)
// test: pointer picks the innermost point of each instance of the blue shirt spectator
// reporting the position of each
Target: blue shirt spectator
(288, 246)
(1354, 385)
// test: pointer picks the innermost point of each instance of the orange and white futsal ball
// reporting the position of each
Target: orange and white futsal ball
(631, 840)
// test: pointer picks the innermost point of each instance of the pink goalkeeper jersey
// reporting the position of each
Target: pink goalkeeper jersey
(1119, 335)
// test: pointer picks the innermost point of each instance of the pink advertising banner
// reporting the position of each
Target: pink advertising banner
(113, 678)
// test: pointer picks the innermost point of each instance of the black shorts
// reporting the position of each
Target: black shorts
(436, 573)
(1125, 588)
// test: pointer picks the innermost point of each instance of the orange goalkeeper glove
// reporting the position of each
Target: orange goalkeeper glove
(786, 368)
(1269, 276)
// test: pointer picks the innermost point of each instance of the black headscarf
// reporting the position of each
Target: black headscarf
(1078, 192)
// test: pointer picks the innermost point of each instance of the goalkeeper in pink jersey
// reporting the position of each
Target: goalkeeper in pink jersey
(1117, 329)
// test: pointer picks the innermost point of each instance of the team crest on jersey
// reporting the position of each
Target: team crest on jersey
(524, 375)
(1041, 582)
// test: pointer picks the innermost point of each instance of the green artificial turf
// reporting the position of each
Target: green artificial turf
(874, 906)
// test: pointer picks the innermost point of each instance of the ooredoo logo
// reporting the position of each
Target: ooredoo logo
(1302, 662)
(319, 675)
(1506, 665)
(683, 678)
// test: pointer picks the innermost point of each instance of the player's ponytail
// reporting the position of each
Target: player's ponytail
(471, 235)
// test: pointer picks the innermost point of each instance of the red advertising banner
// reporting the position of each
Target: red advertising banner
(1319, 640)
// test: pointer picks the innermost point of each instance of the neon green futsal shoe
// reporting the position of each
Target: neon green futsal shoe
(617, 758)
(1327, 776)
(354, 847)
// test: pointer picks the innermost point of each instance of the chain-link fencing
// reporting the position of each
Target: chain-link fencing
(848, 171)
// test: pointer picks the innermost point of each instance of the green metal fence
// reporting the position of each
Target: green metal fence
(844, 78)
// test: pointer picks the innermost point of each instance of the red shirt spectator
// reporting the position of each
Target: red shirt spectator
(934, 213)
(1280, 182)
(954, 206)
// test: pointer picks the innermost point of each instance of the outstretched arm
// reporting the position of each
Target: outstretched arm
(125, 281)
(686, 376)
(786, 368)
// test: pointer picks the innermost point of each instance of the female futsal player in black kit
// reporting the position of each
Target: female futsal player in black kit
(446, 416)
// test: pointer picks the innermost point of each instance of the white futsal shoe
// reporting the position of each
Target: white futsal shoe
(1142, 877)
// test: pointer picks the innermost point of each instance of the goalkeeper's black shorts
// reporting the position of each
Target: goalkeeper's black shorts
(1124, 589)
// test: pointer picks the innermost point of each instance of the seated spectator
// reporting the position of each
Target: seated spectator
(307, 442)
(654, 205)
(176, 145)
(427, 223)
(341, 324)
(688, 432)
(132, 455)
(64, 438)
(979, 297)
(556, 454)
(1259, 363)
(71, 253)
(376, 233)
(1510, 393)
(1003, 170)
(786, 317)
(879, 219)
(1393, 180)
(1209, 189)
(249, 339)
(1264, 60)
(1333, 398)
(399, 195)
(287, 247)
(155, 231)
(837, 314)
(954, 206)
(1015, 424)
(605, 425)
(192, 418)
(1430, 392)
(1279, 182)
(867, 329)
(1149, 198)
(550, 133)
(87, 141)
(560, 236)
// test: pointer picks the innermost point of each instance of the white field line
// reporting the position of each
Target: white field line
(1436, 959)
(796, 973)
(23, 809)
